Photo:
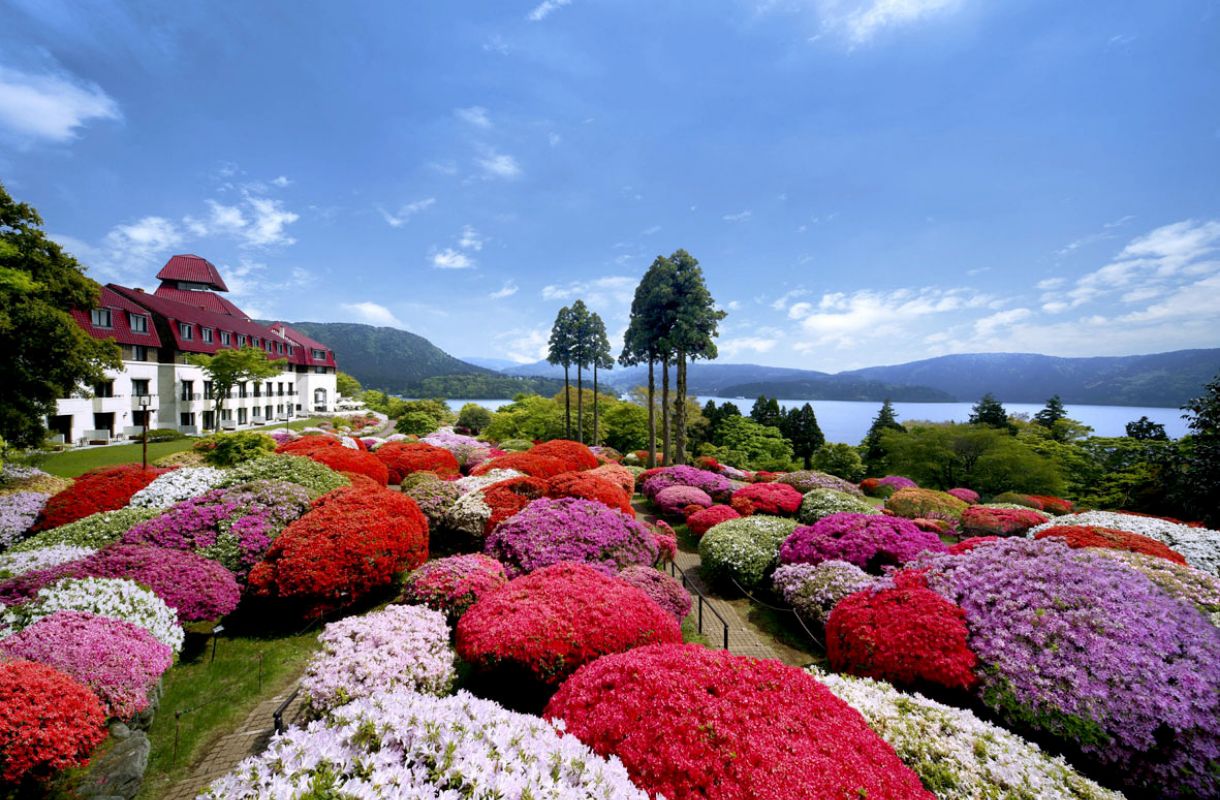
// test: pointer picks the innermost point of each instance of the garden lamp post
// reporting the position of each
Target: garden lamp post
(145, 404)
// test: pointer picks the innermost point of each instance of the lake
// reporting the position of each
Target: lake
(848, 421)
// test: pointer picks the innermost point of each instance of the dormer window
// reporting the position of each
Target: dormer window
(138, 322)
(101, 318)
(186, 331)
(208, 335)
(319, 355)
(224, 338)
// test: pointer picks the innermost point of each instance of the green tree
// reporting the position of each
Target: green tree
(692, 334)
(988, 460)
(644, 343)
(800, 427)
(1199, 493)
(1146, 430)
(229, 367)
(474, 417)
(626, 427)
(872, 447)
(44, 354)
(415, 423)
(528, 417)
(1051, 413)
(601, 358)
(767, 411)
(990, 412)
(744, 442)
(346, 385)
(560, 351)
(839, 459)
(582, 355)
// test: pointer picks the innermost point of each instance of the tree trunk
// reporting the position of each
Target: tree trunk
(666, 449)
(596, 441)
(680, 412)
(808, 459)
(580, 402)
(567, 406)
(652, 415)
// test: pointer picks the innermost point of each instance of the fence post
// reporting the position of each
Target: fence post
(177, 728)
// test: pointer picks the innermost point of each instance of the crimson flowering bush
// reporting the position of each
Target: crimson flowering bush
(966, 545)
(1052, 505)
(869, 541)
(697, 724)
(49, 721)
(574, 455)
(704, 520)
(673, 500)
(119, 661)
(527, 463)
(506, 498)
(550, 622)
(590, 486)
(776, 499)
(666, 540)
(351, 543)
(906, 634)
(715, 485)
(569, 529)
(101, 489)
(968, 496)
(1110, 538)
(452, 585)
(988, 521)
(405, 458)
(665, 590)
(1075, 644)
(331, 452)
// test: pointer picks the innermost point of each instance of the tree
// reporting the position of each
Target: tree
(602, 359)
(626, 427)
(1200, 483)
(348, 386)
(800, 427)
(1051, 413)
(473, 417)
(528, 417)
(582, 356)
(691, 335)
(559, 351)
(1145, 429)
(44, 354)
(227, 368)
(872, 447)
(988, 460)
(766, 411)
(990, 412)
(839, 459)
(743, 442)
(643, 344)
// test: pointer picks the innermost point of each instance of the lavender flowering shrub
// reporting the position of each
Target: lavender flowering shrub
(1179, 580)
(453, 584)
(548, 531)
(871, 542)
(806, 480)
(1079, 646)
(18, 511)
(665, 591)
(815, 589)
(710, 482)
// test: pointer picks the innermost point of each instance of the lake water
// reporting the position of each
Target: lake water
(848, 421)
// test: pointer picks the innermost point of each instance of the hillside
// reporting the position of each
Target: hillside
(837, 387)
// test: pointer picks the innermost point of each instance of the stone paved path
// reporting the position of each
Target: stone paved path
(744, 638)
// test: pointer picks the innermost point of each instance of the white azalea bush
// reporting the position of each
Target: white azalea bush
(469, 514)
(743, 550)
(472, 483)
(957, 755)
(818, 503)
(14, 564)
(177, 485)
(1199, 546)
(113, 598)
(409, 745)
(399, 647)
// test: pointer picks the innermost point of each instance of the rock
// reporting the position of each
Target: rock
(119, 731)
(143, 720)
(118, 772)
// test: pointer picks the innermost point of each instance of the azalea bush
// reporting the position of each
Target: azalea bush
(991, 521)
(654, 480)
(574, 455)
(318, 479)
(113, 598)
(18, 512)
(620, 476)
(16, 478)
(665, 590)
(48, 722)
(453, 584)
(468, 450)
(13, 564)
(528, 463)
(1177, 580)
(405, 744)
(742, 551)
(94, 531)
(1199, 546)
(870, 542)
(776, 499)
(591, 486)
(925, 504)
(331, 452)
(819, 503)
(966, 545)
(398, 647)
(805, 481)
(434, 496)
(705, 519)
(102, 489)
(548, 531)
(968, 496)
(228, 449)
(119, 661)
(813, 590)
(674, 500)
(550, 622)
(406, 458)
(1109, 538)
(691, 723)
(175, 486)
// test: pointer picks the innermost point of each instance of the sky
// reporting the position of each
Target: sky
(864, 182)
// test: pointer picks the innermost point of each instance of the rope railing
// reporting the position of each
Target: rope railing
(689, 585)
(787, 609)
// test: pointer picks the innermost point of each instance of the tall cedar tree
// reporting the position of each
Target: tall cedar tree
(1145, 429)
(44, 354)
(872, 451)
(559, 351)
(692, 334)
(990, 412)
(1051, 413)
(582, 352)
(229, 367)
(642, 344)
(800, 426)
(766, 411)
(602, 359)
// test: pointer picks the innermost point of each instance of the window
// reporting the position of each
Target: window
(207, 390)
(242, 416)
(241, 389)
(320, 370)
(139, 323)
(101, 318)
(319, 355)
(186, 418)
(139, 352)
(139, 386)
(103, 389)
(188, 389)
(224, 338)
(208, 335)
(186, 331)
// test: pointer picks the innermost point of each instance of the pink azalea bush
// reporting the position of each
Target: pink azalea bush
(710, 482)
(868, 541)
(452, 585)
(665, 590)
(673, 500)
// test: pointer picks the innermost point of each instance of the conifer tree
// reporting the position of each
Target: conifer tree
(601, 359)
(560, 352)
(1051, 413)
(990, 412)
(872, 453)
(800, 426)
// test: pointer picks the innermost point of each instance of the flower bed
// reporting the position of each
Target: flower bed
(673, 501)
(743, 550)
(776, 499)
(665, 590)
(590, 486)
(434, 496)
(813, 590)
(806, 480)
(318, 479)
(452, 585)
(103, 489)
(548, 531)
(331, 452)
(968, 496)
(819, 503)
(113, 598)
(94, 531)
(925, 504)
(966, 545)
(466, 449)
(406, 744)
(528, 463)
(620, 476)
(175, 486)
(50, 722)
(18, 512)
(1200, 546)
(13, 564)
(351, 543)
(989, 521)
(406, 458)
(1177, 580)
(705, 519)
(957, 755)
(472, 483)
(871, 542)
(14, 478)
(1109, 538)
(717, 486)
(697, 724)
(119, 661)
(398, 647)
(548, 623)
(574, 455)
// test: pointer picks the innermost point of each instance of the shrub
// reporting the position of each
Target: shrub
(697, 724)
(590, 486)
(102, 489)
(813, 590)
(176, 486)
(988, 521)
(435, 497)
(704, 520)
(516, 445)
(13, 564)
(1110, 538)
(805, 481)
(870, 542)
(113, 598)
(574, 455)
(548, 531)
(906, 635)
(665, 591)
(819, 503)
(673, 500)
(228, 449)
(743, 550)
(968, 496)
(405, 744)
(1184, 582)
(119, 661)
(966, 545)
(50, 722)
(717, 486)
(351, 543)
(318, 479)
(957, 755)
(162, 435)
(550, 622)
(1052, 505)
(405, 458)
(398, 647)
(776, 499)
(452, 585)
(331, 452)
(14, 478)
(1200, 546)
(183, 458)
(1019, 499)
(466, 449)
(536, 466)
(620, 476)
(925, 504)
(18, 512)
(94, 532)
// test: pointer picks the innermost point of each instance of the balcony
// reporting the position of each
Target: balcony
(152, 406)
(187, 397)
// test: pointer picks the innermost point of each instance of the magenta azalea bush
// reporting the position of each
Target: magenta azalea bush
(548, 531)
(119, 661)
(674, 499)
(666, 591)
(966, 495)
(452, 585)
(1079, 646)
(710, 482)
(871, 542)
(896, 482)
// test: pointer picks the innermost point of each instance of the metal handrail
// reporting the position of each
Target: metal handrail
(278, 716)
(690, 586)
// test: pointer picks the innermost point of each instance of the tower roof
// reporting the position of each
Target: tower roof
(192, 269)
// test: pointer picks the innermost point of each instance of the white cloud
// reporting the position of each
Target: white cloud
(524, 346)
(619, 288)
(404, 213)
(281, 181)
(451, 259)
(987, 326)
(499, 165)
(142, 241)
(867, 19)
(50, 106)
(257, 221)
(740, 216)
(474, 115)
(1050, 283)
(553, 139)
(782, 301)
(470, 239)
(270, 219)
(731, 348)
(650, 230)
(545, 8)
(372, 313)
(732, 305)
(846, 320)
(508, 290)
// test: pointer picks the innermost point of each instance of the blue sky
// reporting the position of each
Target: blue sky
(864, 181)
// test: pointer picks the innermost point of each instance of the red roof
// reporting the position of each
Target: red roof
(193, 269)
(209, 301)
(178, 314)
(305, 347)
(121, 309)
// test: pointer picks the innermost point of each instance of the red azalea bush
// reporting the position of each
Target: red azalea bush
(673, 500)
(708, 463)
(776, 499)
(101, 489)
(330, 451)
(349, 544)
(1051, 504)
(871, 486)
(666, 540)
(698, 724)
(48, 721)
(619, 475)
(966, 545)
(590, 486)
(405, 458)
(987, 521)
(575, 455)
(508, 497)
(703, 521)
(553, 620)
(906, 635)
(535, 466)
(1111, 539)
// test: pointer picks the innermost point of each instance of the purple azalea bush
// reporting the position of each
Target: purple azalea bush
(897, 482)
(453, 584)
(672, 500)
(1080, 646)
(682, 475)
(18, 511)
(119, 661)
(665, 591)
(813, 590)
(869, 541)
(806, 480)
(548, 531)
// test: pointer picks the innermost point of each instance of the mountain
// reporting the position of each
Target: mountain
(498, 364)
(702, 377)
(836, 387)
